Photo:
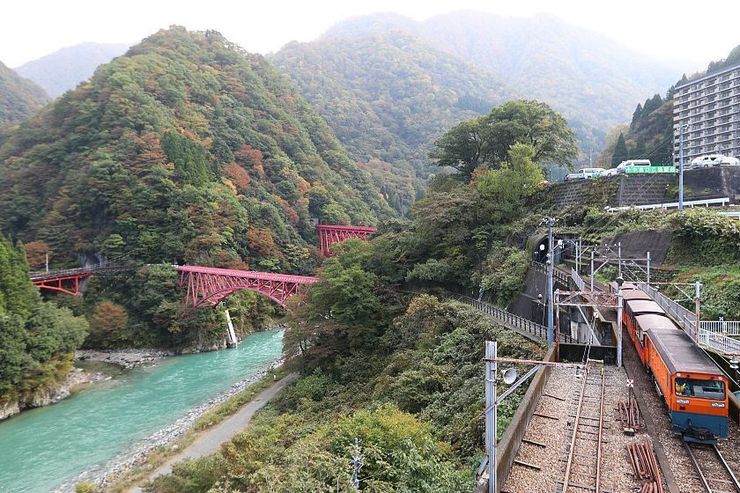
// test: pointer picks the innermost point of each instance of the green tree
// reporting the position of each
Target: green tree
(487, 139)
(620, 151)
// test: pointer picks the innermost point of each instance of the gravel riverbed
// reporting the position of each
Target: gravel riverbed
(108, 473)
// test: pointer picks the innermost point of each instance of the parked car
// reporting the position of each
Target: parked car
(585, 174)
(609, 172)
(714, 160)
(621, 168)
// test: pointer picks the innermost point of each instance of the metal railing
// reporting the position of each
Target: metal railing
(711, 333)
(42, 274)
(725, 327)
(684, 318)
(521, 325)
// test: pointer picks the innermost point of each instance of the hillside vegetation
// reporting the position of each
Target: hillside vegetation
(185, 149)
(64, 69)
(388, 97)
(37, 339)
(19, 97)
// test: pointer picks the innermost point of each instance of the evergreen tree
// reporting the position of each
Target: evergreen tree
(636, 116)
(620, 151)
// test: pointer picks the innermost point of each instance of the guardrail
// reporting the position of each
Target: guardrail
(558, 275)
(720, 202)
(719, 342)
(527, 328)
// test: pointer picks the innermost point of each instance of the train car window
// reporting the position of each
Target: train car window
(705, 389)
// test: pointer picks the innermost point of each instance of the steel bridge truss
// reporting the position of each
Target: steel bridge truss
(207, 286)
(332, 234)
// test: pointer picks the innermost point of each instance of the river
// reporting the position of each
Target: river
(43, 448)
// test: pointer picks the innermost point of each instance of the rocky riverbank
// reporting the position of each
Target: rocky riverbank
(125, 358)
(138, 454)
(75, 380)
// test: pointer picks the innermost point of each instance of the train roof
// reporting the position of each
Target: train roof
(635, 294)
(680, 353)
(640, 306)
(649, 321)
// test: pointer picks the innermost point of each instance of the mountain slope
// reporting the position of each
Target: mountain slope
(185, 148)
(388, 97)
(65, 68)
(19, 97)
(582, 74)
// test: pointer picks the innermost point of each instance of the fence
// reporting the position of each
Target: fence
(527, 328)
(726, 327)
(721, 202)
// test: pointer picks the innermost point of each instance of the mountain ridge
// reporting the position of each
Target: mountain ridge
(19, 97)
(63, 69)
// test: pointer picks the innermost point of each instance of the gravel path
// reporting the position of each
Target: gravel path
(210, 441)
(559, 400)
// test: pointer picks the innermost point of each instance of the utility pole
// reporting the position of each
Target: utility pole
(619, 259)
(491, 412)
(680, 166)
(592, 271)
(697, 306)
(620, 306)
(648, 267)
(47, 261)
(550, 222)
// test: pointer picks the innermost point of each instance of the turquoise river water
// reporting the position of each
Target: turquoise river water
(44, 448)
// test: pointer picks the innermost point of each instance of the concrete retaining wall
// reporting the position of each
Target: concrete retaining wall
(625, 190)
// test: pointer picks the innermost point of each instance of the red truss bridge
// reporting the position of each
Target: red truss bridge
(330, 234)
(68, 281)
(207, 286)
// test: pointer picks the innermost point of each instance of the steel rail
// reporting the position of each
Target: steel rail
(701, 470)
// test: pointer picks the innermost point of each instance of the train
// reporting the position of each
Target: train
(693, 388)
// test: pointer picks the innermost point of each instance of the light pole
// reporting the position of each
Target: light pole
(550, 222)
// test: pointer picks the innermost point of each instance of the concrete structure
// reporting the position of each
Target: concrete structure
(710, 107)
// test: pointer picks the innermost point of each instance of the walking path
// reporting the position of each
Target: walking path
(210, 441)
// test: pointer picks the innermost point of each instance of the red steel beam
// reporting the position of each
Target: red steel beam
(329, 234)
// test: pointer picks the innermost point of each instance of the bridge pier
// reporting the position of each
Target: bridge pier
(231, 340)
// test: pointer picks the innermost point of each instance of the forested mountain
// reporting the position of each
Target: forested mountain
(19, 97)
(590, 79)
(388, 97)
(186, 147)
(65, 68)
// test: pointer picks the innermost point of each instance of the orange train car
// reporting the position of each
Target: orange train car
(690, 383)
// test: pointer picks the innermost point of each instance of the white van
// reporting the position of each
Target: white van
(585, 174)
(714, 160)
(632, 162)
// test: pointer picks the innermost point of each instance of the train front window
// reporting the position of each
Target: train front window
(705, 389)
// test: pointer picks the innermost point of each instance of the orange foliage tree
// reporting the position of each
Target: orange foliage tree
(109, 317)
(238, 175)
(36, 254)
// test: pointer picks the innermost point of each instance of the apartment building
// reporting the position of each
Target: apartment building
(709, 107)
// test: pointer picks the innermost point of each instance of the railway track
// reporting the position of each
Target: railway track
(714, 472)
(583, 453)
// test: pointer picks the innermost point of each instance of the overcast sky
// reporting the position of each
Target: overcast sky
(697, 33)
